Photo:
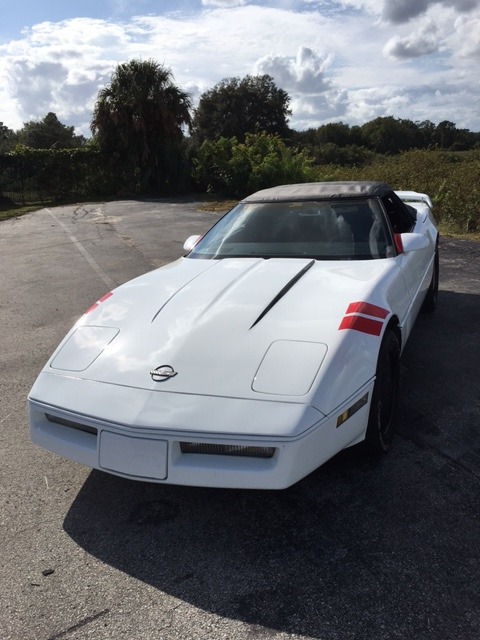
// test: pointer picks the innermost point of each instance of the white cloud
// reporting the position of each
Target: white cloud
(223, 3)
(434, 102)
(303, 73)
(311, 111)
(315, 97)
(334, 65)
(400, 11)
(416, 44)
(464, 40)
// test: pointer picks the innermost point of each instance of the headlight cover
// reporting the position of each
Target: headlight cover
(83, 347)
(289, 367)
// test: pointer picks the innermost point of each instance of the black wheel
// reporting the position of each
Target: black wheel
(430, 302)
(384, 405)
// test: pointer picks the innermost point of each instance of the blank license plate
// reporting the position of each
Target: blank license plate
(141, 457)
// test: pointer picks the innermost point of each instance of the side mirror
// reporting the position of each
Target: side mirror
(190, 242)
(413, 241)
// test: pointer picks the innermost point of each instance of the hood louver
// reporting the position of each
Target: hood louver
(283, 291)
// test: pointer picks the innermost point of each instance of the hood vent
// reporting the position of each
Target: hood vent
(283, 291)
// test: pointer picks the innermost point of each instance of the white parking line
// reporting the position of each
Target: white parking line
(111, 284)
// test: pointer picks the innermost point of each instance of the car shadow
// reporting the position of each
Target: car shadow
(362, 548)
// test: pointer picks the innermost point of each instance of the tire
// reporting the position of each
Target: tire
(430, 302)
(383, 414)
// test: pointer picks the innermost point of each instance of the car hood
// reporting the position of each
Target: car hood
(238, 328)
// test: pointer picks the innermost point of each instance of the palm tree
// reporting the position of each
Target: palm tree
(139, 118)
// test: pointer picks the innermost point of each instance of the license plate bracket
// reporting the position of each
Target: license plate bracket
(133, 456)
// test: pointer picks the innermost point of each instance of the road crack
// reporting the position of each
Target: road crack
(79, 625)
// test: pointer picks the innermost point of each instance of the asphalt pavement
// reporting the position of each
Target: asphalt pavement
(361, 549)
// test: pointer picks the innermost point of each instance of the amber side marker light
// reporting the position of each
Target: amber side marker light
(343, 417)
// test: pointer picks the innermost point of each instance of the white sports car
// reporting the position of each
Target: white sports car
(273, 344)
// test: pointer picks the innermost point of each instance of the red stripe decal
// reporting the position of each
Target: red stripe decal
(95, 304)
(365, 325)
(367, 309)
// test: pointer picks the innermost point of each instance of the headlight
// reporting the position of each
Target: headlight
(289, 367)
(83, 347)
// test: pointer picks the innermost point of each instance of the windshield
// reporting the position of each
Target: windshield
(323, 230)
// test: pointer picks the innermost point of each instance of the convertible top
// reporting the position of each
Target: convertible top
(320, 191)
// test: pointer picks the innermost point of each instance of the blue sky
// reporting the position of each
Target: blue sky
(339, 60)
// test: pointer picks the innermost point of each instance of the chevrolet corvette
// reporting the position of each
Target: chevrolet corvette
(270, 346)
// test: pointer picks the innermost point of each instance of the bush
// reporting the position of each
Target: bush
(228, 168)
(50, 174)
(452, 180)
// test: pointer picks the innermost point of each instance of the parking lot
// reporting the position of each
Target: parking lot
(360, 550)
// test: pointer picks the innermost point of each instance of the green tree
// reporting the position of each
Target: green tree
(238, 106)
(334, 143)
(8, 138)
(391, 135)
(348, 156)
(138, 121)
(49, 133)
(445, 134)
(426, 130)
(337, 133)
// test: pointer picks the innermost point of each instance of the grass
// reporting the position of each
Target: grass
(446, 232)
(218, 206)
(15, 211)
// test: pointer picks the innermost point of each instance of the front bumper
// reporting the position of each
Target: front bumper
(143, 440)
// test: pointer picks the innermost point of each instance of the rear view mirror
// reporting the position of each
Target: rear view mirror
(413, 241)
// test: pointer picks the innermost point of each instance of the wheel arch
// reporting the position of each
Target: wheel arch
(383, 411)
(393, 324)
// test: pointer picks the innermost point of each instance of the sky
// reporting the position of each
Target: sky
(339, 60)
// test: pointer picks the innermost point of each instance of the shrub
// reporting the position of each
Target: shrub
(228, 168)
(452, 180)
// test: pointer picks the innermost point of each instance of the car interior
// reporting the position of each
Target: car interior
(342, 230)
